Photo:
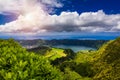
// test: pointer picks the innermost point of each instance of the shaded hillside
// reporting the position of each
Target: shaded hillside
(107, 66)
(40, 50)
(112, 51)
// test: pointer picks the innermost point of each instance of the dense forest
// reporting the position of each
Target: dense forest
(18, 63)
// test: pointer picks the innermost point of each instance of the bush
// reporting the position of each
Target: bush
(18, 64)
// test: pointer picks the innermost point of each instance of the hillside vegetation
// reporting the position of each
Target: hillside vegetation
(107, 66)
(17, 63)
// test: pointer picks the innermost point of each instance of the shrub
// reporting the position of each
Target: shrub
(18, 64)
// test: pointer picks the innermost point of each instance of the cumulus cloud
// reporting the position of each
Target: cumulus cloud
(85, 22)
(16, 6)
(34, 19)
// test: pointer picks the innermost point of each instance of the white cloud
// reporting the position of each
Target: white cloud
(52, 3)
(88, 22)
(33, 19)
(16, 6)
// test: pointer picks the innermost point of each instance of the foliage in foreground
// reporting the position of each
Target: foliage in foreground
(17, 64)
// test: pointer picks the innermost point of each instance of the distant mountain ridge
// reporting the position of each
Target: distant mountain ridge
(39, 42)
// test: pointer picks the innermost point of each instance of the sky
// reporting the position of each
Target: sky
(59, 19)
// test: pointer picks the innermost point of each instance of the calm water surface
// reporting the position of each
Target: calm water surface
(74, 48)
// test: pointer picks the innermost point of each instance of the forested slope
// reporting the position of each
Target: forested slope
(107, 66)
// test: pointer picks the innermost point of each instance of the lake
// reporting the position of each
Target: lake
(74, 47)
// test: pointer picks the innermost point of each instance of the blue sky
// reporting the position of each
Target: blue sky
(38, 18)
(108, 6)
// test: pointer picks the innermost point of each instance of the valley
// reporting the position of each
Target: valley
(52, 63)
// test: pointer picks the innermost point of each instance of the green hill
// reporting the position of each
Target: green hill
(18, 64)
(55, 53)
(103, 64)
(50, 53)
(107, 64)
